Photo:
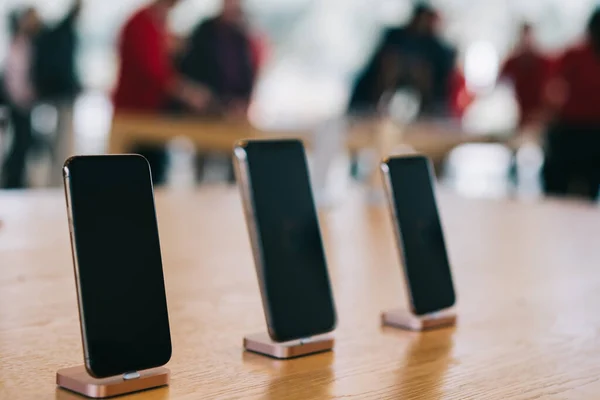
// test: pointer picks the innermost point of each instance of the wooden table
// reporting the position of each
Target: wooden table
(208, 134)
(527, 276)
(219, 135)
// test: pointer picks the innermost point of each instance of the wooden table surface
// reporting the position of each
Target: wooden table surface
(435, 140)
(527, 277)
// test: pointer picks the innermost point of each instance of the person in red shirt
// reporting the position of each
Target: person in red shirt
(459, 95)
(572, 164)
(527, 69)
(147, 79)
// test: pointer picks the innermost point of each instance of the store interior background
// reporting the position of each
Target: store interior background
(317, 49)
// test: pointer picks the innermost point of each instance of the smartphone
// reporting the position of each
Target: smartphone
(286, 238)
(118, 267)
(409, 183)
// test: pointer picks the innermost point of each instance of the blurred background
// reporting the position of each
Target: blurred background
(489, 89)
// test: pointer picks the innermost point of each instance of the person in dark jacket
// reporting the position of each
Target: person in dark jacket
(54, 69)
(412, 56)
(220, 56)
(56, 82)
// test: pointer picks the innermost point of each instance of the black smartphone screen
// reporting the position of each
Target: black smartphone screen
(296, 290)
(424, 250)
(123, 306)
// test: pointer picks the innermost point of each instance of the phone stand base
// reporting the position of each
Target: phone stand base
(77, 379)
(261, 343)
(406, 320)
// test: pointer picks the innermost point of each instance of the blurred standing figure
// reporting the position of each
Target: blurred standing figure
(147, 79)
(572, 147)
(414, 57)
(20, 93)
(57, 83)
(527, 69)
(221, 55)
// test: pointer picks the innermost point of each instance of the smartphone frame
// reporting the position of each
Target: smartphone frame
(387, 184)
(67, 186)
(245, 185)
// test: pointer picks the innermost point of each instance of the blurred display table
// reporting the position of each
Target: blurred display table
(220, 135)
(527, 277)
(208, 134)
(434, 138)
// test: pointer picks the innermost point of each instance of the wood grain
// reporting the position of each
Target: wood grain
(527, 277)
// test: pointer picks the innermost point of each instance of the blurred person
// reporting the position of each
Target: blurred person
(57, 83)
(382, 75)
(20, 95)
(415, 57)
(223, 56)
(147, 79)
(440, 57)
(572, 143)
(527, 70)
